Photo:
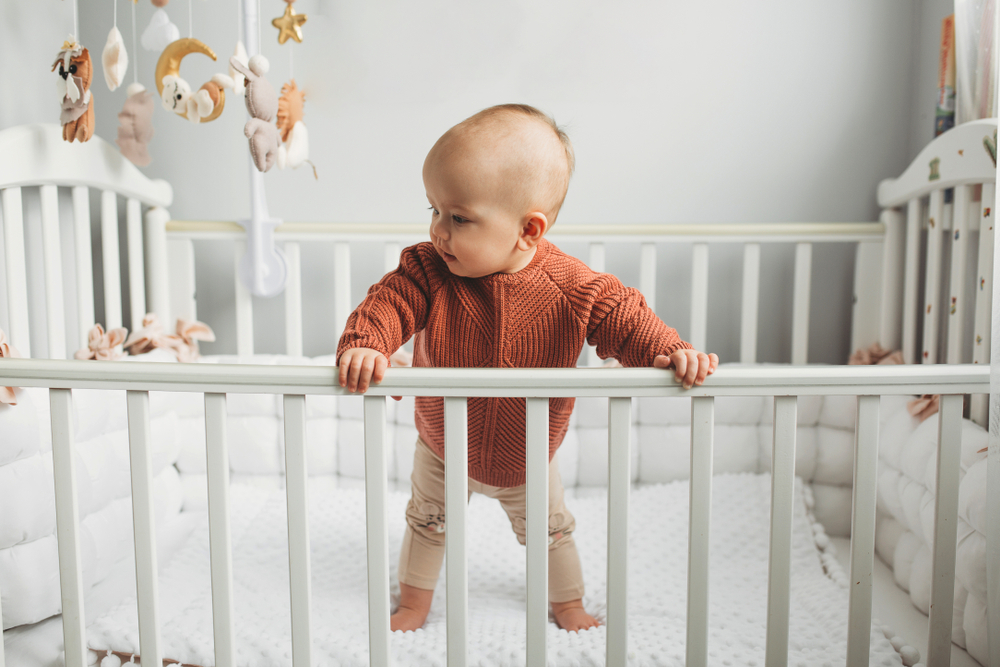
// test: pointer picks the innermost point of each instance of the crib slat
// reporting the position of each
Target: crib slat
(52, 252)
(180, 256)
(945, 531)
(596, 263)
(751, 295)
(341, 286)
(244, 306)
(84, 264)
(220, 541)
(136, 264)
(859, 620)
(376, 489)
(702, 439)
(910, 281)
(143, 519)
(67, 528)
(296, 479)
(391, 250)
(16, 276)
(110, 260)
(800, 308)
(293, 300)
(699, 296)
(959, 260)
(979, 408)
(456, 478)
(782, 505)
(890, 304)
(537, 523)
(619, 478)
(156, 254)
(932, 278)
(647, 273)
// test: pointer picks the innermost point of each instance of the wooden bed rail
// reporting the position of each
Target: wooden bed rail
(536, 386)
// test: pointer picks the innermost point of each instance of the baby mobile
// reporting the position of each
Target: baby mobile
(75, 73)
(276, 132)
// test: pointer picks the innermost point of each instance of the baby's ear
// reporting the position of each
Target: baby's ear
(533, 228)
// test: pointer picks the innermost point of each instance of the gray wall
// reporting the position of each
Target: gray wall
(679, 112)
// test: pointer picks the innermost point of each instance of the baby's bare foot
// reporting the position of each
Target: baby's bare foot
(414, 605)
(572, 617)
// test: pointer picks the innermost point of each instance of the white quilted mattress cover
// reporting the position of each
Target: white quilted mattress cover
(657, 584)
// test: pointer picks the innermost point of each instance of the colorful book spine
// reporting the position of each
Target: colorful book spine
(944, 115)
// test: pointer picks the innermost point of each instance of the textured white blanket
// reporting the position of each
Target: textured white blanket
(657, 585)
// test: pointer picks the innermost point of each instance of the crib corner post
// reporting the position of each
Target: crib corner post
(157, 279)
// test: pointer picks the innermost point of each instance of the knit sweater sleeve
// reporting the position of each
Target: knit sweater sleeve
(622, 326)
(395, 308)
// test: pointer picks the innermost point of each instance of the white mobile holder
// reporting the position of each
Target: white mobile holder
(263, 268)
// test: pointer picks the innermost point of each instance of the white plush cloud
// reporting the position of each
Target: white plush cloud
(160, 32)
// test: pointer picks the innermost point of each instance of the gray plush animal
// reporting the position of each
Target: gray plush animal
(262, 103)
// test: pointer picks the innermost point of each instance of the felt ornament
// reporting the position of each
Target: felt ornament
(262, 104)
(103, 346)
(158, 3)
(175, 93)
(294, 149)
(289, 24)
(135, 125)
(160, 32)
(114, 58)
(240, 53)
(183, 343)
(77, 104)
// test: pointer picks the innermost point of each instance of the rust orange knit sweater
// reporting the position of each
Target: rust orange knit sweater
(538, 317)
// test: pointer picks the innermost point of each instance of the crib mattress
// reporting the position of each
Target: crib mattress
(657, 585)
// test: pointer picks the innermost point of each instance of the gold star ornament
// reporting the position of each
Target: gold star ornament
(289, 25)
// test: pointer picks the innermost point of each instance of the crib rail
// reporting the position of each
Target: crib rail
(867, 383)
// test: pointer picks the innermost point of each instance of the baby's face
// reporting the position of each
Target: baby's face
(473, 227)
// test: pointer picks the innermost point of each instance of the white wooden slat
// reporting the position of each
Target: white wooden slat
(391, 250)
(932, 278)
(699, 296)
(143, 520)
(376, 489)
(647, 273)
(619, 478)
(136, 263)
(993, 453)
(782, 506)
(800, 305)
(596, 263)
(863, 530)
(16, 272)
(911, 308)
(293, 300)
(84, 265)
(55, 306)
(296, 491)
(244, 305)
(67, 528)
(456, 480)
(180, 263)
(979, 405)
(945, 531)
(341, 286)
(158, 277)
(220, 538)
(865, 311)
(959, 260)
(891, 302)
(537, 524)
(111, 261)
(751, 296)
(700, 512)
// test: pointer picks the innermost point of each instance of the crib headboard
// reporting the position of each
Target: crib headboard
(36, 164)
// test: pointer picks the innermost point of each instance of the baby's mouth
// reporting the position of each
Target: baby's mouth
(448, 257)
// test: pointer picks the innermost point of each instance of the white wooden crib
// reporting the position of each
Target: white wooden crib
(161, 278)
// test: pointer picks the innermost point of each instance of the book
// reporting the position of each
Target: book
(944, 115)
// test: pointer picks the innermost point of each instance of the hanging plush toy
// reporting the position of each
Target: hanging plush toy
(135, 125)
(262, 104)
(289, 24)
(239, 82)
(115, 59)
(294, 149)
(175, 93)
(76, 71)
(160, 32)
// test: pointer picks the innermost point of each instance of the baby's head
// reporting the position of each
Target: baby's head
(496, 182)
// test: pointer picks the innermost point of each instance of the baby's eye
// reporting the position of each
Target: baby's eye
(458, 219)
(431, 208)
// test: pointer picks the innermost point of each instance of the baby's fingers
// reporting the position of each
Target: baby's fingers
(680, 365)
(704, 367)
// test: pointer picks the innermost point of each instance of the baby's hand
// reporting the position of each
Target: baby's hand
(359, 366)
(690, 366)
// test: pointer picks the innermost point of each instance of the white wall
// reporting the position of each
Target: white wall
(679, 112)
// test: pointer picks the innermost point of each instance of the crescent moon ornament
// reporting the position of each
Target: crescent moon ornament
(169, 64)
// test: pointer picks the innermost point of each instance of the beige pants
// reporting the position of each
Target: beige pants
(422, 552)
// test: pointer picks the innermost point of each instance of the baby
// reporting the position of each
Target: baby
(489, 291)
